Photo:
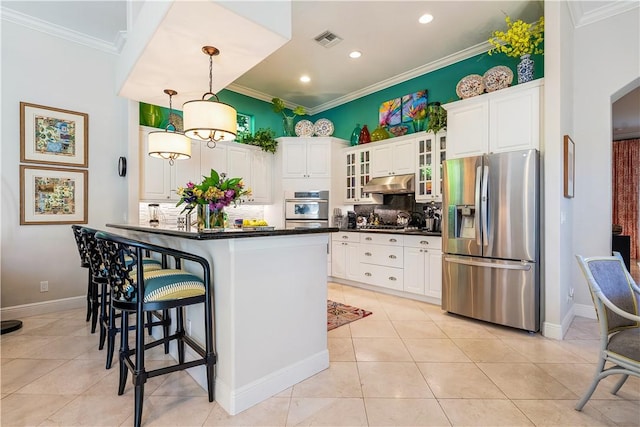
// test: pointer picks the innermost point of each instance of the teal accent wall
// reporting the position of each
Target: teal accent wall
(440, 84)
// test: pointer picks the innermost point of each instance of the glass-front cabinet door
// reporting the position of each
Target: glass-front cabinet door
(358, 163)
(431, 153)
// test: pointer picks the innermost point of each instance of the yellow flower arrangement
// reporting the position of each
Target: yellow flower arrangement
(519, 39)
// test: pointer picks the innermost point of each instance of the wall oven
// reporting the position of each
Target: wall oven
(306, 209)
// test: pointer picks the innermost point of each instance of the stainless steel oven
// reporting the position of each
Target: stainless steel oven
(306, 209)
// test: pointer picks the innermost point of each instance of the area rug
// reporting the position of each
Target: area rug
(340, 314)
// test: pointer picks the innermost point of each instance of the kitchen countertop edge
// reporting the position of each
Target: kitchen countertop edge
(229, 234)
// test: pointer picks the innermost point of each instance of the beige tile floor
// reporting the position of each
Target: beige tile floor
(408, 364)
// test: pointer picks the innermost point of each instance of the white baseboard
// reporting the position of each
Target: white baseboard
(44, 307)
(585, 310)
(557, 331)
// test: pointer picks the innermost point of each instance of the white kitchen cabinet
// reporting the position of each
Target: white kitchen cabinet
(159, 181)
(382, 260)
(393, 158)
(345, 256)
(504, 120)
(358, 173)
(423, 265)
(261, 177)
(306, 157)
(213, 158)
(431, 153)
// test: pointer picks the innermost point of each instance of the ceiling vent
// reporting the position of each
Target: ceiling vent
(328, 39)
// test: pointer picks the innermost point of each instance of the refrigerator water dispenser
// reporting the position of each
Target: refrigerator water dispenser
(462, 221)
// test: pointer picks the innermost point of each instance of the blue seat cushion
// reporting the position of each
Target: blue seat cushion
(168, 284)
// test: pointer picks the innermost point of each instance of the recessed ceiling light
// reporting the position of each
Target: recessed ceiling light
(305, 79)
(425, 19)
(355, 54)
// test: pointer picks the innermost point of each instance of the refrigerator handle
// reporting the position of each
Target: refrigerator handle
(476, 218)
(484, 216)
(522, 266)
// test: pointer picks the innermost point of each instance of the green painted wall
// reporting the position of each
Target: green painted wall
(440, 84)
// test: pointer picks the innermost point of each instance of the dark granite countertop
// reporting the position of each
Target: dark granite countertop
(229, 233)
(391, 231)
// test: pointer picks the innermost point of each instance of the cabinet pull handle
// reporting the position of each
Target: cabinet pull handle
(367, 238)
(392, 256)
(393, 240)
(345, 237)
(367, 274)
(424, 242)
(367, 253)
(392, 278)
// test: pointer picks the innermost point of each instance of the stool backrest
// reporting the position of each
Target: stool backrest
(80, 243)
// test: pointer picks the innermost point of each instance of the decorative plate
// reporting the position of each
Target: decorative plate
(496, 78)
(323, 127)
(304, 128)
(470, 86)
(399, 130)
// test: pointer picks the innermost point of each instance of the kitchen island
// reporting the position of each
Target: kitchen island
(270, 308)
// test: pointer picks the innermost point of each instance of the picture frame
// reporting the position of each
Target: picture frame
(569, 167)
(390, 112)
(53, 136)
(53, 195)
(413, 102)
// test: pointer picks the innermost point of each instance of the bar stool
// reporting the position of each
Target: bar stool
(108, 315)
(92, 304)
(167, 288)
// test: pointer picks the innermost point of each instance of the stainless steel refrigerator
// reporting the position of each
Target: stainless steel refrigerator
(490, 238)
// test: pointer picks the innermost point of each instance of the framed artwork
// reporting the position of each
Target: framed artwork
(53, 136)
(53, 195)
(390, 113)
(412, 104)
(569, 167)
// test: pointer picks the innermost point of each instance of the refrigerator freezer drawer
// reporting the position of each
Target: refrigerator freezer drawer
(502, 292)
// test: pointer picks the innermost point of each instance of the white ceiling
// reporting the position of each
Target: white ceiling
(394, 45)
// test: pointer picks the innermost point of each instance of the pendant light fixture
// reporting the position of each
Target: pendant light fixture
(206, 119)
(169, 144)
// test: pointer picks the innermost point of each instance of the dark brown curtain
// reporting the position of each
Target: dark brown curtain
(626, 187)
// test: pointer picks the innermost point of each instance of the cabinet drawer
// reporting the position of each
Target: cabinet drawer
(378, 275)
(384, 255)
(426, 242)
(343, 236)
(382, 239)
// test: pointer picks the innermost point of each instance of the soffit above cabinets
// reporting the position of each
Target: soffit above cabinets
(164, 47)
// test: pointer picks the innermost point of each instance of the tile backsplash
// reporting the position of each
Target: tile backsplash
(169, 213)
(394, 204)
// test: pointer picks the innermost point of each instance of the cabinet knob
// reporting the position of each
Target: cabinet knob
(392, 278)
(392, 256)
(367, 253)
(367, 274)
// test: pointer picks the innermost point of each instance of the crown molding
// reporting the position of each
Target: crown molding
(408, 75)
(580, 17)
(55, 30)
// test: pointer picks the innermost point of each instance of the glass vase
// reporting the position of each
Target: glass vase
(210, 219)
(525, 69)
(287, 124)
(419, 125)
(365, 136)
(355, 135)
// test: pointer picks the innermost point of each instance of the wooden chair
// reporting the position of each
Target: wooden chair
(164, 289)
(616, 298)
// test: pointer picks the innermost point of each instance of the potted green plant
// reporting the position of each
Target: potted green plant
(437, 117)
(263, 138)
(287, 121)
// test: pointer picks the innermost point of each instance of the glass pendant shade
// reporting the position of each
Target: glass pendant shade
(209, 120)
(169, 145)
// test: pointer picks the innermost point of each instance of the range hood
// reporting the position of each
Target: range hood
(397, 184)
